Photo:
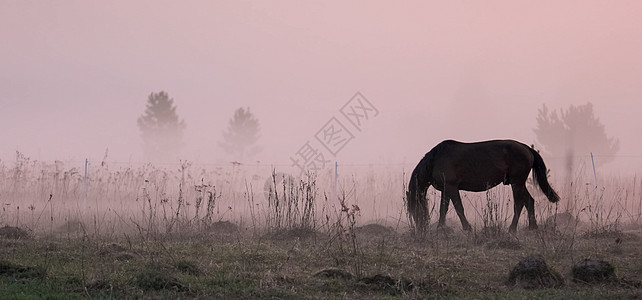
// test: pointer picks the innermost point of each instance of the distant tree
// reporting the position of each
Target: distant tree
(161, 129)
(241, 135)
(573, 131)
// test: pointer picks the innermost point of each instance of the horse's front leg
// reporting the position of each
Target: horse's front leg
(453, 194)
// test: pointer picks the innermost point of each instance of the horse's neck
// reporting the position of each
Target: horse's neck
(426, 164)
(422, 173)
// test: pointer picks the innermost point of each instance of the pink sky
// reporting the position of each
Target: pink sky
(75, 75)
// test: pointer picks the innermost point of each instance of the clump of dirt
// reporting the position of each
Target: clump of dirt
(532, 272)
(14, 233)
(21, 272)
(334, 273)
(375, 230)
(562, 221)
(593, 271)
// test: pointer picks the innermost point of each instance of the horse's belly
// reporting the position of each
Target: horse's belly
(477, 187)
(482, 181)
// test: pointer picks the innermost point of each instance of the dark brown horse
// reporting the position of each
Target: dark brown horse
(452, 166)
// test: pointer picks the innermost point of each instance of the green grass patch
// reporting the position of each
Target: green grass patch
(393, 266)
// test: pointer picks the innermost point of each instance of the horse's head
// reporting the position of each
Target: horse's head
(414, 193)
(418, 184)
(416, 201)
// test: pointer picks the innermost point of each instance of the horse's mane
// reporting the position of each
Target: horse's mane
(436, 151)
(423, 171)
(425, 165)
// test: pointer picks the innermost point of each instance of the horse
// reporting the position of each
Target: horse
(452, 166)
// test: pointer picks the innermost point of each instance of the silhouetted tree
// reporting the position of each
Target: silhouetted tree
(241, 135)
(161, 130)
(575, 130)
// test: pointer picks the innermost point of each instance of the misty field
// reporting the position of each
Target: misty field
(255, 231)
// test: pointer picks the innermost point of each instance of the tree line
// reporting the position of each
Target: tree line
(161, 131)
(560, 133)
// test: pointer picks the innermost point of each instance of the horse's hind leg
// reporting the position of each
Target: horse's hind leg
(530, 207)
(453, 194)
(522, 198)
(443, 208)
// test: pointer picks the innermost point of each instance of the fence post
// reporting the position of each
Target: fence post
(594, 172)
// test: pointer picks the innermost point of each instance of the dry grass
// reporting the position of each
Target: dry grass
(212, 233)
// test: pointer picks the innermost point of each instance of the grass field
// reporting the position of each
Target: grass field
(188, 232)
(378, 263)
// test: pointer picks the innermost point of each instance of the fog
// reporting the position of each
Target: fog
(75, 75)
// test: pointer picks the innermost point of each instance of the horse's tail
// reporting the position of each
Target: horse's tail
(539, 170)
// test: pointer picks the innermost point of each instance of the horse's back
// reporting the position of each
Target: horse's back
(477, 166)
(450, 146)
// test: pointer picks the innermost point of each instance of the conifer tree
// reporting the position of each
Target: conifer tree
(242, 135)
(161, 129)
